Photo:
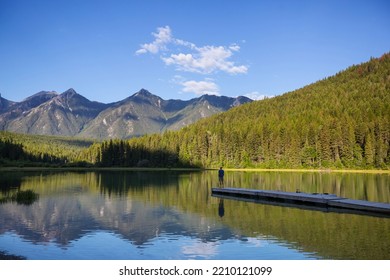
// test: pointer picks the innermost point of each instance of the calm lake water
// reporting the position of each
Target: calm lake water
(172, 215)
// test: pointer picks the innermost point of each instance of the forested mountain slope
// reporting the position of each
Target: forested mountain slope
(26, 149)
(342, 121)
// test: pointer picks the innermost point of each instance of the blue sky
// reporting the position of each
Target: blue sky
(108, 50)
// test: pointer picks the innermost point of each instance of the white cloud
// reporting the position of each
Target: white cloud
(200, 87)
(184, 43)
(254, 95)
(234, 47)
(162, 38)
(204, 60)
(177, 79)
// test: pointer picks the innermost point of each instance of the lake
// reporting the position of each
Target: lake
(169, 215)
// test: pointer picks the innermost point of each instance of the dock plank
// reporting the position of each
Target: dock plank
(324, 200)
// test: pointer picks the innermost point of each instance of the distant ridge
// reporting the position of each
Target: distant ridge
(71, 114)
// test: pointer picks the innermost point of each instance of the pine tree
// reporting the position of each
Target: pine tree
(369, 151)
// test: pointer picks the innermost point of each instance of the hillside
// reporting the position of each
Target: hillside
(26, 150)
(342, 121)
(339, 122)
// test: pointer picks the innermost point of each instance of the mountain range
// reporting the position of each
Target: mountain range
(71, 114)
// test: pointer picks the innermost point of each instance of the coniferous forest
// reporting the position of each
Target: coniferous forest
(339, 122)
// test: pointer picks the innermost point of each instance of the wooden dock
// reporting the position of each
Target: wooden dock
(328, 201)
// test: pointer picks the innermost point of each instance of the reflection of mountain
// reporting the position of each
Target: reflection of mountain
(73, 208)
(51, 220)
(140, 206)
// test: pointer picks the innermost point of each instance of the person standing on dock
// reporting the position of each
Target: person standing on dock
(221, 173)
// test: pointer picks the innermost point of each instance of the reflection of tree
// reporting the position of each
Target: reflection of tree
(124, 182)
(26, 197)
(82, 203)
(5, 256)
(9, 181)
(10, 190)
(331, 235)
(373, 187)
(142, 205)
(221, 208)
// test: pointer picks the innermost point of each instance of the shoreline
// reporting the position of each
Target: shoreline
(60, 169)
(372, 171)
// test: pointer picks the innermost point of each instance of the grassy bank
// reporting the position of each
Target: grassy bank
(10, 168)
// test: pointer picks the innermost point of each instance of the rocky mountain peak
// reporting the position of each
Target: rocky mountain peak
(241, 100)
(144, 94)
(38, 98)
(145, 97)
(4, 104)
(69, 93)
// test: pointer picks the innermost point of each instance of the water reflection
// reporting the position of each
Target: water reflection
(221, 208)
(171, 215)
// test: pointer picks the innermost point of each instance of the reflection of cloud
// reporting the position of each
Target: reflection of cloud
(205, 60)
(200, 249)
(256, 242)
